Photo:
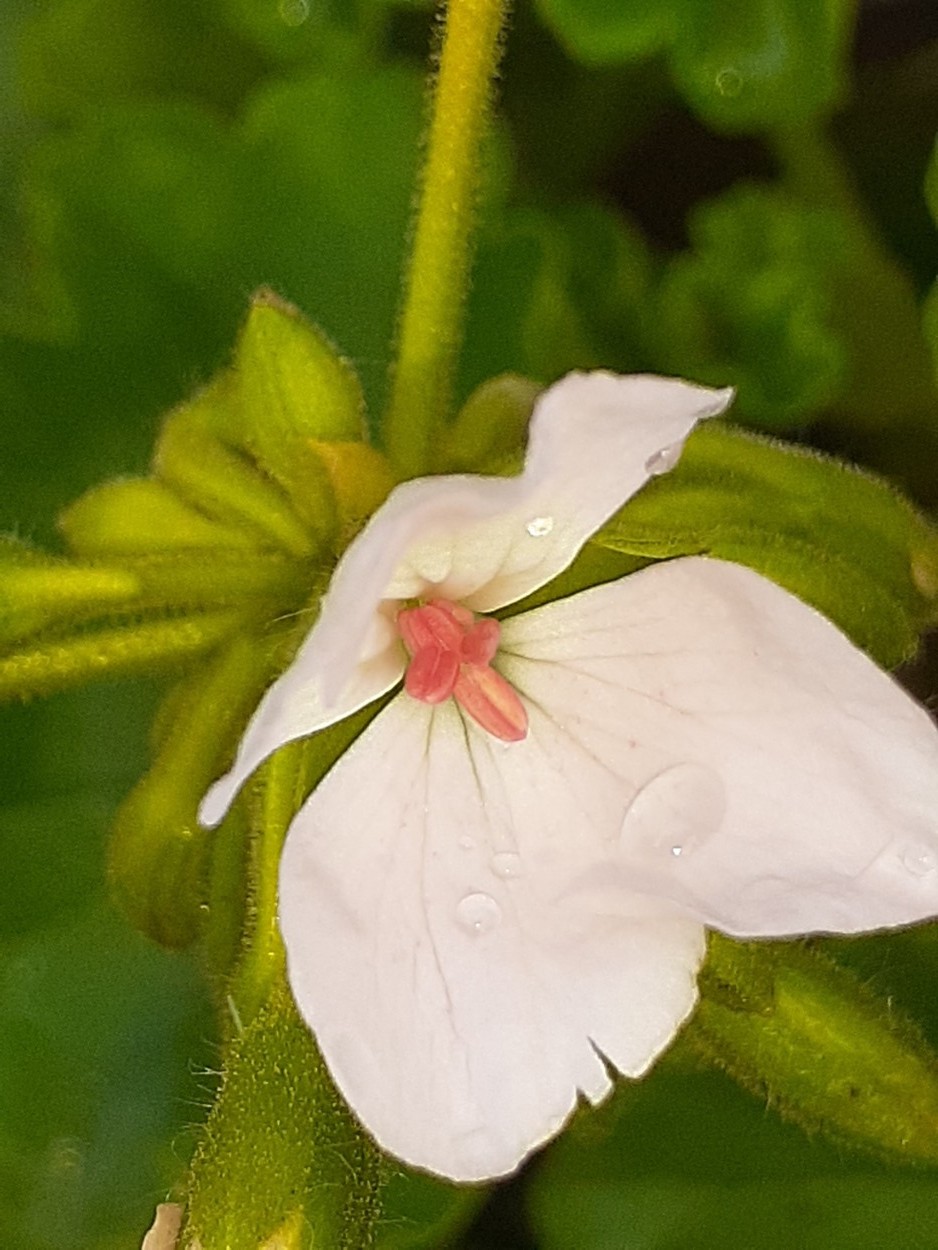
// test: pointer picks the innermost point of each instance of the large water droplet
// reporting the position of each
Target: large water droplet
(479, 913)
(663, 461)
(729, 82)
(506, 864)
(919, 860)
(540, 526)
(675, 812)
(294, 12)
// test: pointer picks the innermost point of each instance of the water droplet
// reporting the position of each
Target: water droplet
(540, 526)
(729, 82)
(466, 843)
(675, 812)
(506, 864)
(294, 12)
(663, 461)
(479, 913)
(919, 860)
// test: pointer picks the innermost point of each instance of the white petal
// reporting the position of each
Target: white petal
(595, 439)
(771, 779)
(294, 707)
(460, 990)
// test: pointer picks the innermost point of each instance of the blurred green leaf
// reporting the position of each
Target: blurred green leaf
(680, 1161)
(97, 1033)
(75, 54)
(156, 218)
(741, 64)
(839, 539)
(598, 32)
(420, 1212)
(753, 64)
(751, 304)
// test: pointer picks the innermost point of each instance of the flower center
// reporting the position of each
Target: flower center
(451, 652)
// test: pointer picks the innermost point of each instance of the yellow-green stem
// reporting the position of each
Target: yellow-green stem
(430, 331)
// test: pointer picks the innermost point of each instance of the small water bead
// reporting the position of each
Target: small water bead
(663, 461)
(479, 913)
(675, 812)
(919, 860)
(466, 843)
(507, 864)
(540, 526)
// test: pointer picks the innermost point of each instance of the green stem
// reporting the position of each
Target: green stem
(431, 326)
(283, 784)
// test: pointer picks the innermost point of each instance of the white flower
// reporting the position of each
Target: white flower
(494, 899)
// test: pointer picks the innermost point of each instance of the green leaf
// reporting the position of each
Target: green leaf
(420, 1212)
(153, 219)
(680, 1160)
(98, 1035)
(750, 304)
(598, 32)
(755, 64)
(931, 306)
(839, 539)
(74, 53)
(741, 64)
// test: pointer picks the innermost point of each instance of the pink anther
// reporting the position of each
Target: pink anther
(451, 653)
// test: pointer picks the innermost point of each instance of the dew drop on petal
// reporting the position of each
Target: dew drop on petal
(663, 461)
(540, 526)
(674, 813)
(466, 843)
(919, 860)
(479, 913)
(506, 864)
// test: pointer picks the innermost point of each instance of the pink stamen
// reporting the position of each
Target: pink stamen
(451, 654)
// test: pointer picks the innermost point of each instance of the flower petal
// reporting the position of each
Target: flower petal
(460, 991)
(294, 707)
(771, 779)
(595, 439)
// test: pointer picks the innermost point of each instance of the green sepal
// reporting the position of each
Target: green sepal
(220, 481)
(281, 1152)
(37, 592)
(290, 390)
(220, 577)
(158, 850)
(138, 516)
(120, 651)
(490, 428)
(801, 1031)
(840, 539)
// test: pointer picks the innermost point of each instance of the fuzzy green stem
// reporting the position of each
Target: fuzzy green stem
(430, 332)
